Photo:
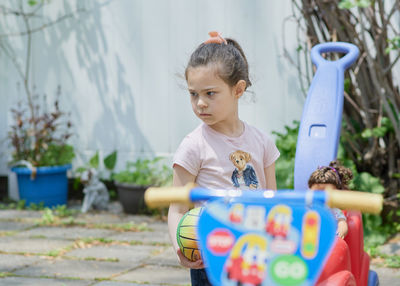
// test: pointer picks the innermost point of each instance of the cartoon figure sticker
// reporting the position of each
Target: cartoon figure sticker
(278, 221)
(255, 217)
(236, 213)
(247, 261)
(310, 234)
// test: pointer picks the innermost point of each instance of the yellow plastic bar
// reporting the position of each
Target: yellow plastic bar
(345, 200)
(161, 197)
(353, 200)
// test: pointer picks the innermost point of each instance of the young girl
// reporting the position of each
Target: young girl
(334, 176)
(223, 152)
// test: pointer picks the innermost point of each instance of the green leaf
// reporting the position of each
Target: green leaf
(375, 237)
(376, 132)
(368, 183)
(386, 122)
(32, 2)
(57, 155)
(347, 83)
(379, 131)
(395, 42)
(396, 176)
(144, 172)
(367, 133)
(346, 4)
(80, 169)
(94, 161)
(76, 183)
(363, 3)
(110, 161)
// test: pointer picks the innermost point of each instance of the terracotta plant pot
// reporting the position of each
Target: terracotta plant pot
(131, 197)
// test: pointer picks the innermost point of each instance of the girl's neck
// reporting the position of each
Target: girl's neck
(230, 129)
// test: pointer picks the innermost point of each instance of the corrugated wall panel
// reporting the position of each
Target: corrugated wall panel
(121, 68)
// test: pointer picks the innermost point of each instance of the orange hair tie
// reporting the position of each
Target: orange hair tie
(215, 38)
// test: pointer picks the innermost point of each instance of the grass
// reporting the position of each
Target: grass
(129, 226)
(5, 274)
(383, 259)
(7, 233)
(39, 236)
(91, 241)
(111, 259)
(51, 218)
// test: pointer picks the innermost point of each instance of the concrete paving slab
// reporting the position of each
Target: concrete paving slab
(10, 262)
(147, 237)
(387, 276)
(138, 218)
(120, 283)
(13, 226)
(98, 218)
(390, 248)
(159, 226)
(22, 281)
(131, 253)
(66, 233)
(167, 257)
(19, 214)
(157, 275)
(106, 217)
(114, 206)
(33, 245)
(76, 269)
(165, 275)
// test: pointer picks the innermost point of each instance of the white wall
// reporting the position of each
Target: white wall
(118, 65)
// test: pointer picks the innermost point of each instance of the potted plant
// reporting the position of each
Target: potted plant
(41, 155)
(132, 182)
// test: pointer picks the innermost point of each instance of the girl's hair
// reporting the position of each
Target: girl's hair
(334, 174)
(229, 59)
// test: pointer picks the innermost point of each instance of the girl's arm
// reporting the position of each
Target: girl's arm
(342, 228)
(270, 177)
(180, 178)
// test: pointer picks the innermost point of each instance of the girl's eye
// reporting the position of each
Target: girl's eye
(193, 94)
(210, 93)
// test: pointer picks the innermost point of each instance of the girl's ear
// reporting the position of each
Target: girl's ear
(239, 88)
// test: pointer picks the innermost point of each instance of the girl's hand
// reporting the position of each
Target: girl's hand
(342, 228)
(198, 264)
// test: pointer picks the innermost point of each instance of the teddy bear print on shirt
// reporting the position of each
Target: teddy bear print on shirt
(244, 175)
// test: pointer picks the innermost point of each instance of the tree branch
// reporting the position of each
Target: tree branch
(44, 26)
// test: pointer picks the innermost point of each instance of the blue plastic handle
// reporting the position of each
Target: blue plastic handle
(258, 196)
(345, 62)
(320, 124)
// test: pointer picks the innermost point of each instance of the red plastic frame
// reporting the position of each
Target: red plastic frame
(348, 263)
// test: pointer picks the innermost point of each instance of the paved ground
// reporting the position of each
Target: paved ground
(101, 249)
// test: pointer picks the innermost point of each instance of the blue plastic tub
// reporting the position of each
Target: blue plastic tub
(50, 185)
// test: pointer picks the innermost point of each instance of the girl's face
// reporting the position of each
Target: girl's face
(323, 187)
(213, 100)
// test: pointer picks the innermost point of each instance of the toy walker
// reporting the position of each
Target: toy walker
(267, 237)
(286, 237)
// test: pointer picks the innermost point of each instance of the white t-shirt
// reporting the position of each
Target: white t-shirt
(222, 162)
